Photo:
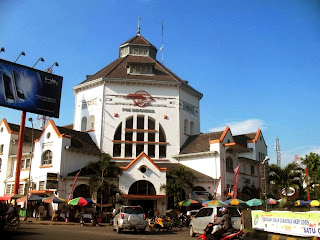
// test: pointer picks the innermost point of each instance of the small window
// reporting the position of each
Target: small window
(252, 169)
(229, 164)
(9, 189)
(1, 148)
(191, 128)
(41, 185)
(91, 122)
(84, 124)
(185, 127)
(48, 135)
(0, 163)
(1, 130)
(21, 189)
(143, 169)
(46, 158)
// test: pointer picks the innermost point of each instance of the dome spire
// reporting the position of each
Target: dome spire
(138, 29)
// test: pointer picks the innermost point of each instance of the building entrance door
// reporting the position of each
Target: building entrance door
(147, 205)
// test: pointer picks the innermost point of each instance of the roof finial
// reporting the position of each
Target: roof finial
(138, 32)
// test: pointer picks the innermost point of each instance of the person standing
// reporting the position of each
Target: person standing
(41, 211)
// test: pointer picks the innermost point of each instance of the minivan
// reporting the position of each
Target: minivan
(211, 214)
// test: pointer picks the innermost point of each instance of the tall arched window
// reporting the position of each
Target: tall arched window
(162, 139)
(191, 128)
(229, 163)
(144, 133)
(185, 127)
(91, 122)
(83, 124)
(46, 158)
(117, 146)
(0, 163)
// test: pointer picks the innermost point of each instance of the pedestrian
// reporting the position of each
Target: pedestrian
(41, 210)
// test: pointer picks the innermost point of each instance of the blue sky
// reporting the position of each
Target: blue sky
(256, 62)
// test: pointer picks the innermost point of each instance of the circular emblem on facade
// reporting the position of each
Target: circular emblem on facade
(141, 98)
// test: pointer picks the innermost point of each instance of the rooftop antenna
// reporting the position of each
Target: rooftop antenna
(161, 49)
(138, 32)
(278, 151)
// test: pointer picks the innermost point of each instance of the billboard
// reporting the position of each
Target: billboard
(29, 89)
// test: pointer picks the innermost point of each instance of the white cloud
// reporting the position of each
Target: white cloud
(247, 126)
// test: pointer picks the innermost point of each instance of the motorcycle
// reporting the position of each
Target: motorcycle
(237, 234)
(160, 224)
(13, 222)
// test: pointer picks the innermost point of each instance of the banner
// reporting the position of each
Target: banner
(234, 191)
(304, 224)
(73, 185)
(29, 89)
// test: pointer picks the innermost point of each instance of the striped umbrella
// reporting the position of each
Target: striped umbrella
(80, 201)
(254, 202)
(234, 202)
(54, 199)
(188, 202)
(271, 201)
(214, 203)
(300, 203)
(314, 203)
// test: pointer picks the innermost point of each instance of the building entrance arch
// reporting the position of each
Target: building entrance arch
(81, 191)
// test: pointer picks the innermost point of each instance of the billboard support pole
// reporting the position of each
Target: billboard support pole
(19, 152)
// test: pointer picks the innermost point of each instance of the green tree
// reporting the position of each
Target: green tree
(249, 192)
(312, 162)
(102, 173)
(283, 178)
(179, 181)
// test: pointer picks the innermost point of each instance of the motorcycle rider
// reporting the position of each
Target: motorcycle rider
(224, 221)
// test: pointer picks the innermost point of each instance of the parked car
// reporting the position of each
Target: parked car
(130, 217)
(211, 214)
(192, 213)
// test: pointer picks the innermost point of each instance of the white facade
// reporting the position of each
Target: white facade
(144, 116)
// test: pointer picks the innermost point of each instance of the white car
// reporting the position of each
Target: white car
(211, 214)
(130, 217)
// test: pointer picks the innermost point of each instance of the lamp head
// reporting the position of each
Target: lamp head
(2, 49)
(56, 64)
(265, 160)
(30, 119)
(23, 53)
(42, 59)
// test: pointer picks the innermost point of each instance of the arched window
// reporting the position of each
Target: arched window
(229, 163)
(117, 146)
(191, 128)
(144, 131)
(81, 191)
(83, 124)
(185, 127)
(162, 139)
(0, 163)
(46, 158)
(142, 187)
(91, 122)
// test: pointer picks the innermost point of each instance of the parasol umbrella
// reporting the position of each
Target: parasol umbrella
(214, 203)
(300, 203)
(188, 202)
(254, 202)
(54, 199)
(314, 203)
(32, 197)
(10, 196)
(271, 201)
(234, 202)
(80, 201)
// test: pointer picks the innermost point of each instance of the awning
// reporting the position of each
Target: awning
(143, 197)
(10, 196)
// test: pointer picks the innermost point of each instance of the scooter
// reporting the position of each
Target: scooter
(238, 234)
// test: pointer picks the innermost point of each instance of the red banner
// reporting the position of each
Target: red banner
(73, 185)
(234, 191)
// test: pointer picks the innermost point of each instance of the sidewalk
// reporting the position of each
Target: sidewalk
(31, 220)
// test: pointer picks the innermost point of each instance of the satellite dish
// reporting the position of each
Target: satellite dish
(290, 191)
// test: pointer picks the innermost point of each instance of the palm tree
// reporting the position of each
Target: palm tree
(103, 171)
(283, 178)
(179, 180)
(312, 163)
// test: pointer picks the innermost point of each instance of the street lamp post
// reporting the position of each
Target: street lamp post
(30, 120)
(265, 163)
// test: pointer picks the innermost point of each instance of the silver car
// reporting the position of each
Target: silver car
(130, 217)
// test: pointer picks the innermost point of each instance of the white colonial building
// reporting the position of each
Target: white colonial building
(148, 120)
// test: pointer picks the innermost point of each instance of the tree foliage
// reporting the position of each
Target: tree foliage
(283, 178)
(312, 162)
(103, 171)
(180, 180)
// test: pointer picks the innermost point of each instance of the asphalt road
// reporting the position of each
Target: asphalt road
(60, 232)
